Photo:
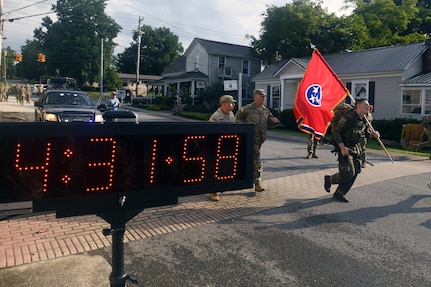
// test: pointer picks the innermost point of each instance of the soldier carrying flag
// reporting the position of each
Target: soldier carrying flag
(319, 92)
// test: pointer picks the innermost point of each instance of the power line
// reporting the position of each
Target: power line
(24, 7)
(23, 17)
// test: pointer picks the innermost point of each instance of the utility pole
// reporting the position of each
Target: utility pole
(138, 61)
(1, 32)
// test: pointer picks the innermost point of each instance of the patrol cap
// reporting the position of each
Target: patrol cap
(260, 92)
(227, 99)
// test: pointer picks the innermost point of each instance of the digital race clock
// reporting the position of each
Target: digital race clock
(85, 169)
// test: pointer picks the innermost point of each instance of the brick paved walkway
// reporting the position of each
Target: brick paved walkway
(41, 237)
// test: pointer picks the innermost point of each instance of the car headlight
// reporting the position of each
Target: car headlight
(51, 118)
(98, 118)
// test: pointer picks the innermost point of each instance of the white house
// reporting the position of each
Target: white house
(395, 79)
(206, 62)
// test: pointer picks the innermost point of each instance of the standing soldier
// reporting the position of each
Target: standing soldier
(364, 138)
(22, 94)
(223, 114)
(17, 92)
(27, 93)
(2, 92)
(40, 91)
(262, 118)
(312, 144)
(5, 91)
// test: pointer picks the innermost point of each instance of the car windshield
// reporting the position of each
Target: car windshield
(68, 98)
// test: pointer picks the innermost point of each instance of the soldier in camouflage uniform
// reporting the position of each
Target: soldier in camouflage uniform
(223, 114)
(262, 118)
(312, 144)
(3, 90)
(346, 134)
(27, 93)
(364, 138)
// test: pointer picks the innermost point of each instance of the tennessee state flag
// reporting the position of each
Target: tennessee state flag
(319, 92)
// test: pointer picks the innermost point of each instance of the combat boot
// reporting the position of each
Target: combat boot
(214, 197)
(258, 187)
(328, 183)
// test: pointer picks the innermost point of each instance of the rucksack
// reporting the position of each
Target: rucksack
(341, 110)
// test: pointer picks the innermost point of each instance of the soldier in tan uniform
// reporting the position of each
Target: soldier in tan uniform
(261, 116)
(27, 93)
(223, 114)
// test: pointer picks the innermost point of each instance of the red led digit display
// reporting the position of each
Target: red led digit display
(149, 162)
(222, 156)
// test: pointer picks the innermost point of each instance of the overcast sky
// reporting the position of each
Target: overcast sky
(219, 20)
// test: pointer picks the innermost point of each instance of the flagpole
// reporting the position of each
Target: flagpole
(373, 130)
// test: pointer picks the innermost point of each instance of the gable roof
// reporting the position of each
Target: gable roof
(178, 65)
(422, 79)
(224, 49)
(382, 59)
(376, 60)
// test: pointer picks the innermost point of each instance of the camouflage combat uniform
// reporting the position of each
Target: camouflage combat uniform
(312, 144)
(363, 140)
(348, 130)
(261, 117)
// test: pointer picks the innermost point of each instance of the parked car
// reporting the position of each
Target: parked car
(66, 106)
(35, 88)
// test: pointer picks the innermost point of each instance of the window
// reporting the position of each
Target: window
(428, 102)
(416, 102)
(275, 97)
(197, 63)
(360, 89)
(245, 66)
(221, 62)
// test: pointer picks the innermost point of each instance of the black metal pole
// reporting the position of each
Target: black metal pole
(118, 226)
(117, 277)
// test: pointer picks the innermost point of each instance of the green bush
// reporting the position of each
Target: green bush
(391, 129)
(193, 115)
(287, 119)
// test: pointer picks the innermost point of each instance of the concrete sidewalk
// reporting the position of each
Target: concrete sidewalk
(12, 111)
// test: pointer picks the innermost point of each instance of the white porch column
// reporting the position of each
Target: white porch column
(282, 95)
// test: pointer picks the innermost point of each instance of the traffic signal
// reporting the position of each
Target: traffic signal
(41, 58)
(18, 57)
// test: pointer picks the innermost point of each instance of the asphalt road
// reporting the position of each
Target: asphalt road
(380, 238)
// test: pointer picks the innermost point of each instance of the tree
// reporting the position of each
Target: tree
(422, 22)
(8, 63)
(29, 68)
(72, 44)
(159, 48)
(290, 29)
(387, 22)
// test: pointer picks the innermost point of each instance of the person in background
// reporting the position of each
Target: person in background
(27, 93)
(40, 91)
(224, 113)
(261, 116)
(312, 144)
(114, 102)
(363, 140)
